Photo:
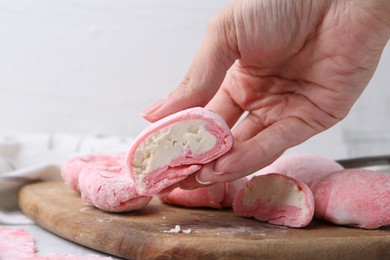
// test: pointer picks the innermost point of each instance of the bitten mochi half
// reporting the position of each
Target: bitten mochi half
(277, 199)
(172, 148)
(354, 197)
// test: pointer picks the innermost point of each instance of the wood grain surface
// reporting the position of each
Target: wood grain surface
(215, 234)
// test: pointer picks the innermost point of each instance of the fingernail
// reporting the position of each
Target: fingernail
(213, 171)
(197, 178)
(153, 107)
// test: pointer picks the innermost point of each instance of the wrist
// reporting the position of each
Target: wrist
(379, 9)
(375, 16)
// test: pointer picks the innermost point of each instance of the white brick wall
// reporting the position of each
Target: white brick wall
(90, 66)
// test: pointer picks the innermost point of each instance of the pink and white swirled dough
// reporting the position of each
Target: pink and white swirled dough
(172, 148)
(277, 199)
(280, 193)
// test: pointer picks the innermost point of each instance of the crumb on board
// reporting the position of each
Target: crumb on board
(186, 231)
(178, 229)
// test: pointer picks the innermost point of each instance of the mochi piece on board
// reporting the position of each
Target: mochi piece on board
(210, 196)
(354, 197)
(219, 195)
(72, 168)
(110, 189)
(174, 147)
(103, 181)
(277, 199)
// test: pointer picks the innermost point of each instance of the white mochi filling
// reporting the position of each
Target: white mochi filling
(274, 191)
(186, 138)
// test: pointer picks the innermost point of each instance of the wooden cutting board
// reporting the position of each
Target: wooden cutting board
(215, 234)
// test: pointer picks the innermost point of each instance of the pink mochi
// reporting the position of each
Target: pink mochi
(72, 168)
(104, 182)
(172, 148)
(277, 199)
(218, 196)
(110, 189)
(17, 244)
(354, 197)
(306, 168)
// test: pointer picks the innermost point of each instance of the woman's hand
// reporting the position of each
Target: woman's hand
(296, 68)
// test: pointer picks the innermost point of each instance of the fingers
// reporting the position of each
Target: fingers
(191, 183)
(255, 153)
(223, 104)
(206, 72)
(247, 128)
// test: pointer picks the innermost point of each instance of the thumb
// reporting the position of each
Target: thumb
(216, 55)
